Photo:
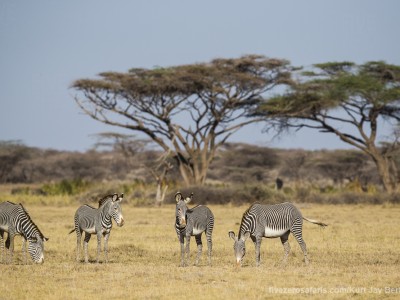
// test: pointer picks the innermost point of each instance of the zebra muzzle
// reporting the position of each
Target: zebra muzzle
(41, 260)
(238, 262)
(121, 223)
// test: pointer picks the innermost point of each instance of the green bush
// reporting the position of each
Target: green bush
(65, 187)
(23, 190)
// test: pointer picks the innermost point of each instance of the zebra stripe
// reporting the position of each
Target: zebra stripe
(193, 222)
(97, 221)
(15, 220)
(270, 221)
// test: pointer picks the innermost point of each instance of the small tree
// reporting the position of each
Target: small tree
(159, 173)
(347, 100)
(189, 110)
(130, 146)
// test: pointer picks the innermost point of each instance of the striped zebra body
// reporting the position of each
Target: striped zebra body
(15, 220)
(97, 221)
(270, 221)
(193, 222)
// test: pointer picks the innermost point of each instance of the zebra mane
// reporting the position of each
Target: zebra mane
(105, 199)
(244, 215)
(191, 209)
(30, 220)
(247, 210)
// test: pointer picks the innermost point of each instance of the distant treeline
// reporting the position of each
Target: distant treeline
(234, 163)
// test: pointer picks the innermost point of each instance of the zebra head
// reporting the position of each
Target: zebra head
(239, 246)
(115, 210)
(36, 248)
(181, 209)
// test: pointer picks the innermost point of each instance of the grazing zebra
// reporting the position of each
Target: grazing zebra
(97, 221)
(15, 220)
(193, 222)
(270, 221)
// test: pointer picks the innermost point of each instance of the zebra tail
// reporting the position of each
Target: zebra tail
(71, 231)
(315, 222)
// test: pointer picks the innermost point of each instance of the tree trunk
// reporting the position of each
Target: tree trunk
(161, 191)
(383, 166)
(194, 171)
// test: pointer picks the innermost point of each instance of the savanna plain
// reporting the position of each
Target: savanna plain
(356, 256)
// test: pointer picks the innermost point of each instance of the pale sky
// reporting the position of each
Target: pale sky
(46, 45)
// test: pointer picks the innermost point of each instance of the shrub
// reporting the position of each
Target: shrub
(234, 195)
(65, 187)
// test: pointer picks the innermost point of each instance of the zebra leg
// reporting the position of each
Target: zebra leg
(98, 246)
(7, 244)
(182, 242)
(199, 248)
(24, 250)
(78, 243)
(209, 245)
(106, 247)
(2, 244)
(85, 246)
(187, 250)
(258, 252)
(10, 246)
(297, 232)
(253, 238)
(286, 246)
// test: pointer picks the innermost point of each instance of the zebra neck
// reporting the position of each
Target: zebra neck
(105, 219)
(105, 216)
(243, 230)
(248, 224)
(104, 210)
(27, 228)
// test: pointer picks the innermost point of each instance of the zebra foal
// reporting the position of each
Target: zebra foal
(15, 220)
(193, 222)
(270, 221)
(97, 221)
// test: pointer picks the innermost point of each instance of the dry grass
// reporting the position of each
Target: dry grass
(359, 250)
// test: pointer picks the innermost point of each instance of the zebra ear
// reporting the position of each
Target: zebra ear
(187, 200)
(232, 235)
(45, 239)
(119, 198)
(178, 197)
(114, 197)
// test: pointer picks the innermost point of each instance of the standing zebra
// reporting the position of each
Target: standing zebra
(97, 221)
(15, 220)
(270, 221)
(193, 222)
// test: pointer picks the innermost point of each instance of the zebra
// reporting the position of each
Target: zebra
(193, 222)
(15, 220)
(270, 221)
(97, 221)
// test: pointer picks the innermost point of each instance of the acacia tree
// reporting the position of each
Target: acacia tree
(189, 110)
(347, 100)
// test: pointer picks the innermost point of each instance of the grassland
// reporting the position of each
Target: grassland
(356, 256)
